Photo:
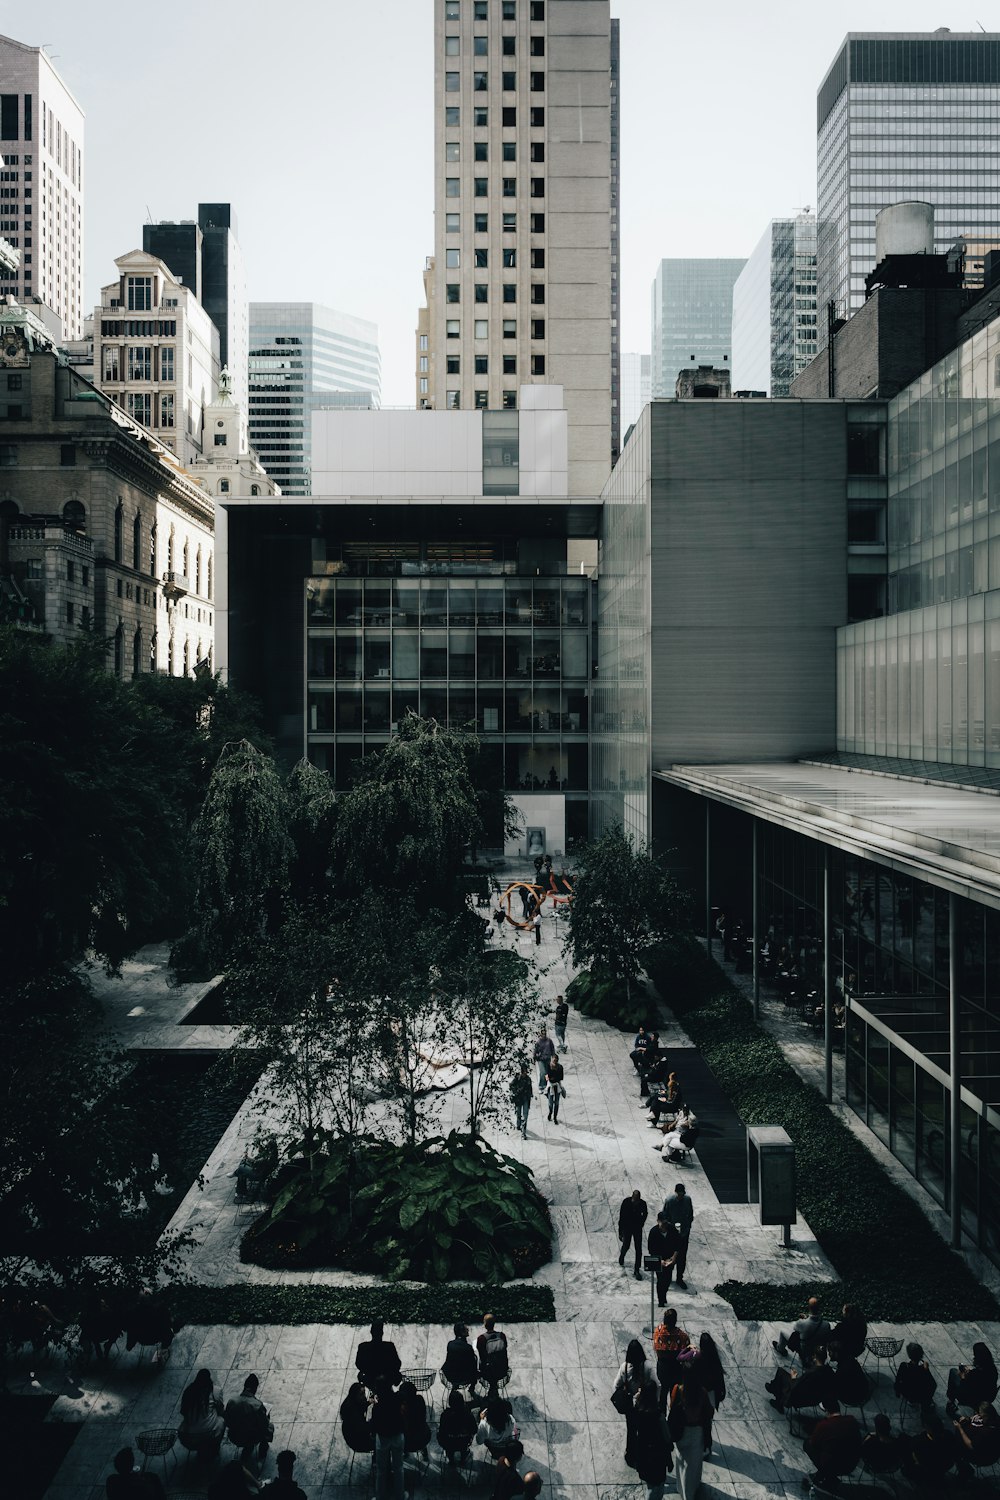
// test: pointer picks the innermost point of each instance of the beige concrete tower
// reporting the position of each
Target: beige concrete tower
(519, 289)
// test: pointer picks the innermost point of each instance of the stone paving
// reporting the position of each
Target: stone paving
(562, 1372)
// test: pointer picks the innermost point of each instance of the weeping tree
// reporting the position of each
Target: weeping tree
(311, 809)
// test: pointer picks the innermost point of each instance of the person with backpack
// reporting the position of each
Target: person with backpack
(520, 1092)
(491, 1346)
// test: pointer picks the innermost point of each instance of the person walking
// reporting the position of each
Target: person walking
(520, 1091)
(690, 1425)
(679, 1209)
(561, 1017)
(669, 1343)
(387, 1427)
(663, 1242)
(554, 1087)
(544, 1053)
(649, 1446)
(631, 1217)
(536, 923)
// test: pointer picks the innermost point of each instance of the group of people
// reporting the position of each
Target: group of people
(668, 1241)
(550, 1073)
(661, 1087)
(669, 1406)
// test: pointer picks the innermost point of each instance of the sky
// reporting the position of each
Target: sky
(314, 118)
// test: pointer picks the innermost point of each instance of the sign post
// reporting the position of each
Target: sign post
(771, 1176)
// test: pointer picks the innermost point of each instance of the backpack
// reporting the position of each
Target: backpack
(661, 1339)
(494, 1360)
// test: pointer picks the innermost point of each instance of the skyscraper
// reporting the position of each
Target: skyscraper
(692, 317)
(904, 116)
(774, 308)
(304, 356)
(635, 388)
(41, 212)
(520, 289)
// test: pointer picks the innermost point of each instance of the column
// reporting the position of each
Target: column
(708, 874)
(755, 916)
(955, 1058)
(827, 984)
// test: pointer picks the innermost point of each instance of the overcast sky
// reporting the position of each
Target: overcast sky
(314, 119)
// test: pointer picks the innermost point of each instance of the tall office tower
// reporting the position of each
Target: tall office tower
(635, 388)
(301, 354)
(206, 256)
(904, 116)
(692, 317)
(774, 308)
(617, 426)
(521, 278)
(41, 198)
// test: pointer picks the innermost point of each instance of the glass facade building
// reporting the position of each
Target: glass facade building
(774, 308)
(692, 318)
(301, 354)
(904, 117)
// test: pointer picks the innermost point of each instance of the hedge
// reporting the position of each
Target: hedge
(290, 1305)
(889, 1258)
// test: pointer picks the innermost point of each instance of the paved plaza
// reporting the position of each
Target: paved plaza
(562, 1373)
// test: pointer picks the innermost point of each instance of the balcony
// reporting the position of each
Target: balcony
(175, 585)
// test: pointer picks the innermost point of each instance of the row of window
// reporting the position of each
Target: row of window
(508, 116)
(481, 187)
(74, 515)
(481, 223)
(481, 45)
(140, 362)
(481, 292)
(480, 151)
(481, 83)
(481, 12)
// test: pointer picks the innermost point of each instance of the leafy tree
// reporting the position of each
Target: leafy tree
(625, 904)
(312, 809)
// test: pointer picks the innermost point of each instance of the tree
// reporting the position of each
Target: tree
(625, 904)
(312, 812)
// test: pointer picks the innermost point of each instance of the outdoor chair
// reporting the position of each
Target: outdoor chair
(882, 1348)
(422, 1380)
(156, 1442)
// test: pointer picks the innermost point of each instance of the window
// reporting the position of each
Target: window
(480, 224)
(451, 259)
(538, 328)
(537, 82)
(69, 611)
(482, 400)
(453, 365)
(510, 328)
(510, 150)
(8, 455)
(137, 543)
(137, 653)
(538, 364)
(423, 387)
(508, 46)
(119, 531)
(452, 115)
(33, 567)
(74, 517)
(509, 400)
(223, 486)
(70, 571)
(452, 400)
(67, 455)
(538, 10)
(140, 408)
(509, 82)
(482, 364)
(482, 258)
(537, 116)
(197, 571)
(481, 291)
(481, 328)
(480, 151)
(479, 10)
(538, 223)
(152, 550)
(509, 259)
(167, 362)
(140, 363)
(451, 151)
(509, 10)
(510, 364)
(167, 410)
(85, 576)
(510, 187)
(510, 291)
(451, 83)
(451, 10)
(509, 117)
(452, 223)
(452, 328)
(510, 223)
(139, 292)
(220, 440)
(13, 382)
(423, 341)
(451, 187)
(538, 187)
(537, 259)
(480, 46)
(112, 362)
(480, 115)
(538, 293)
(480, 187)
(537, 151)
(452, 291)
(538, 46)
(480, 83)
(451, 46)
(255, 489)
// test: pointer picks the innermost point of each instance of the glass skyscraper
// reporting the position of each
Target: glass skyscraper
(774, 308)
(692, 317)
(903, 117)
(304, 356)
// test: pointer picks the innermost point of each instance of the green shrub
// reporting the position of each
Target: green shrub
(606, 998)
(289, 1305)
(887, 1254)
(448, 1209)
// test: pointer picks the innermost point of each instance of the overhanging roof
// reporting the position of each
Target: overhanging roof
(946, 835)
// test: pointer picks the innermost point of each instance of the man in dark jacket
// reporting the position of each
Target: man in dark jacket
(378, 1360)
(834, 1447)
(664, 1242)
(461, 1366)
(631, 1218)
(680, 1211)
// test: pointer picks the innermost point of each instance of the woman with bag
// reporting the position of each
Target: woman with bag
(634, 1373)
(649, 1446)
(690, 1425)
(554, 1087)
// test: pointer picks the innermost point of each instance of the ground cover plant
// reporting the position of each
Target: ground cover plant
(240, 1304)
(889, 1259)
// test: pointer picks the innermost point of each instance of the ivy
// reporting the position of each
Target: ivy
(293, 1305)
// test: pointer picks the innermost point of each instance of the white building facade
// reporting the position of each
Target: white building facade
(774, 308)
(228, 467)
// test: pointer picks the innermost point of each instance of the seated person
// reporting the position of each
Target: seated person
(491, 1347)
(929, 1455)
(460, 1364)
(853, 1386)
(284, 1487)
(816, 1386)
(677, 1142)
(640, 1045)
(834, 1446)
(497, 1431)
(247, 1422)
(378, 1359)
(847, 1341)
(130, 1483)
(234, 1481)
(971, 1385)
(507, 1483)
(809, 1331)
(416, 1429)
(456, 1428)
(202, 1426)
(354, 1420)
(881, 1452)
(914, 1381)
(979, 1437)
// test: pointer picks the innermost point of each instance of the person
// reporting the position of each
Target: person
(833, 1447)
(456, 1429)
(631, 1217)
(129, 1482)
(847, 1341)
(284, 1486)
(663, 1242)
(680, 1211)
(378, 1358)
(914, 1381)
(520, 1091)
(460, 1366)
(202, 1425)
(640, 1044)
(554, 1086)
(387, 1428)
(852, 1384)
(491, 1348)
(817, 1386)
(234, 1481)
(677, 1143)
(690, 1425)
(248, 1424)
(536, 923)
(497, 1431)
(809, 1331)
(708, 1368)
(507, 1482)
(634, 1372)
(416, 1429)
(929, 1455)
(561, 1018)
(978, 1437)
(649, 1446)
(355, 1425)
(669, 1343)
(881, 1451)
(499, 918)
(544, 1052)
(970, 1385)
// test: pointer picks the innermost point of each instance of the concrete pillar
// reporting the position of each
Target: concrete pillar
(755, 921)
(708, 874)
(955, 1060)
(827, 984)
